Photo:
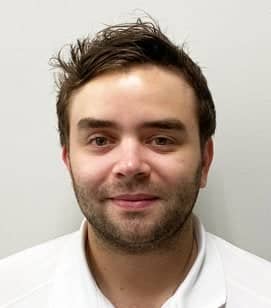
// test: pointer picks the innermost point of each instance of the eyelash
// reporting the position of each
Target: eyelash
(109, 141)
(96, 138)
(169, 141)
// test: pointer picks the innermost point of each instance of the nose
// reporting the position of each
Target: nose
(131, 161)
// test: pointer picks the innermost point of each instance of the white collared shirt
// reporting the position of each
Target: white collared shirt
(56, 275)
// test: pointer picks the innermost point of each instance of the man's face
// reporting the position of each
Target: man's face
(135, 157)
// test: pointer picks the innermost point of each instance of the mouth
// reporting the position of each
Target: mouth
(134, 201)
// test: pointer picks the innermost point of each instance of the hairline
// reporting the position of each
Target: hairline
(126, 69)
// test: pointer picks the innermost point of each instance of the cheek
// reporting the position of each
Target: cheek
(176, 167)
(88, 170)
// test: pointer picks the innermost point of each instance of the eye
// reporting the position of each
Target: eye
(99, 141)
(161, 141)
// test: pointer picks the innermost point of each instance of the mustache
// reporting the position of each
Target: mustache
(129, 186)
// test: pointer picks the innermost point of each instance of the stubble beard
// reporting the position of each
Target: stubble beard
(134, 233)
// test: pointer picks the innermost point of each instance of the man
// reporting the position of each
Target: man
(136, 120)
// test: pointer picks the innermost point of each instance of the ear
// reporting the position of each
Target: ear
(207, 158)
(66, 157)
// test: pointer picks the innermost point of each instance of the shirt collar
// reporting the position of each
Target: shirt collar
(72, 283)
(204, 286)
(74, 286)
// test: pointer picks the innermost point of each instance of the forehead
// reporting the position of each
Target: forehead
(142, 93)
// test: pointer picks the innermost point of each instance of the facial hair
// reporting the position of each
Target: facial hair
(134, 234)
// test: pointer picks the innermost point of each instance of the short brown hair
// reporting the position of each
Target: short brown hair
(122, 46)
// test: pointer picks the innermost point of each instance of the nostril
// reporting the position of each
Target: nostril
(129, 169)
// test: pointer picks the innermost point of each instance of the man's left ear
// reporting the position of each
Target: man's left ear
(207, 158)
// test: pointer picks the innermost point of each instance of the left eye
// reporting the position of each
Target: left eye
(161, 141)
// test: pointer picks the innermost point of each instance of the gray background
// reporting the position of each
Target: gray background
(231, 41)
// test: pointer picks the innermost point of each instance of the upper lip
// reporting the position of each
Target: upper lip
(134, 197)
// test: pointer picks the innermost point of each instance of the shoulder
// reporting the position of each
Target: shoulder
(29, 272)
(247, 275)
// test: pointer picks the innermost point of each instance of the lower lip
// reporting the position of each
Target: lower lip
(135, 205)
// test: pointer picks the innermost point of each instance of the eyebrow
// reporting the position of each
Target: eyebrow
(167, 124)
(87, 123)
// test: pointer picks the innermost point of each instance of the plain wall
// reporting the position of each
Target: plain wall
(231, 42)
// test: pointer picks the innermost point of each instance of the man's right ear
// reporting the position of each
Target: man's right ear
(66, 157)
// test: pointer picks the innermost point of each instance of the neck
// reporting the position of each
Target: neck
(133, 278)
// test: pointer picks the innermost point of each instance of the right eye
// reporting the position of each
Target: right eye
(99, 141)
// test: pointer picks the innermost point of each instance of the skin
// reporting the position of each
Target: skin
(128, 245)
